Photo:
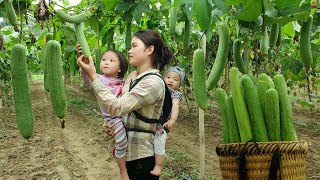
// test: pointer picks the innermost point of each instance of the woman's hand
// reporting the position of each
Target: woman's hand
(109, 129)
(87, 65)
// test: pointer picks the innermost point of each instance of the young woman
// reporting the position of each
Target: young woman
(149, 55)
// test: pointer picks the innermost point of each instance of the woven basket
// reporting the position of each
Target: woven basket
(258, 159)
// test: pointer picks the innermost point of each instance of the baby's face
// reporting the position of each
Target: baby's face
(172, 80)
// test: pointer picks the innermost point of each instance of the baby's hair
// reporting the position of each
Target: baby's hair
(123, 62)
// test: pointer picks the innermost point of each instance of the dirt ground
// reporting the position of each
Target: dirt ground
(81, 150)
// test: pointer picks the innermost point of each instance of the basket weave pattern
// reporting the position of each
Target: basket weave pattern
(258, 159)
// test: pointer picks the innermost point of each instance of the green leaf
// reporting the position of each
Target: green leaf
(222, 5)
(178, 3)
(305, 103)
(249, 10)
(110, 5)
(289, 8)
(295, 66)
(202, 11)
(139, 9)
(288, 29)
(125, 6)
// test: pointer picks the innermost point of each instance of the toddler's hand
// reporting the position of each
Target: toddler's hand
(109, 129)
(169, 124)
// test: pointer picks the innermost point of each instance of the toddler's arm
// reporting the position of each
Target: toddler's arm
(174, 113)
(85, 78)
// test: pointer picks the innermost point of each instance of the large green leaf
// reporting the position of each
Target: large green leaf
(248, 10)
(110, 5)
(202, 11)
(286, 19)
(142, 7)
(288, 30)
(288, 8)
(222, 5)
(295, 66)
(125, 6)
(178, 3)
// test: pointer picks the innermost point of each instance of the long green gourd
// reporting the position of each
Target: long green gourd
(305, 47)
(187, 34)
(221, 58)
(82, 40)
(11, 14)
(240, 106)
(288, 132)
(258, 124)
(273, 115)
(74, 19)
(232, 122)
(47, 38)
(279, 39)
(98, 60)
(237, 56)
(264, 77)
(20, 87)
(264, 42)
(128, 33)
(172, 20)
(273, 35)
(56, 82)
(198, 77)
(221, 97)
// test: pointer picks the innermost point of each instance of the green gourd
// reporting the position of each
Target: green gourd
(56, 82)
(221, 97)
(82, 40)
(257, 121)
(74, 19)
(305, 47)
(221, 58)
(273, 116)
(237, 56)
(198, 77)
(288, 132)
(240, 106)
(232, 122)
(20, 87)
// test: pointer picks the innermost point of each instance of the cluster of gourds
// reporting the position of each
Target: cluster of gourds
(201, 85)
(258, 111)
(53, 73)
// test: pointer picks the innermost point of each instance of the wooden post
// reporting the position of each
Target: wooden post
(201, 125)
(202, 143)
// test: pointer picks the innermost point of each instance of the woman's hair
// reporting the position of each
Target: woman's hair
(123, 62)
(161, 55)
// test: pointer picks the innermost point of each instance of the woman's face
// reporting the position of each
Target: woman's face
(139, 53)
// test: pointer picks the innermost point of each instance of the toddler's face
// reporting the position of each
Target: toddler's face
(110, 64)
(172, 79)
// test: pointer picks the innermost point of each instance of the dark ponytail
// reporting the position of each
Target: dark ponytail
(161, 55)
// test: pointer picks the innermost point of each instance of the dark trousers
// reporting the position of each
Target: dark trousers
(140, 169)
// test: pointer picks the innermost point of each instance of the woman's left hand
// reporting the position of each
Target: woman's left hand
(87, 65)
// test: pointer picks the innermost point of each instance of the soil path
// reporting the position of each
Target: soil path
(79, 151)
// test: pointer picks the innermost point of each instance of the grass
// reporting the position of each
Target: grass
(37, 76)
(177, 166)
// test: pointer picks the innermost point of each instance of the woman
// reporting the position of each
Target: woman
(149, 55)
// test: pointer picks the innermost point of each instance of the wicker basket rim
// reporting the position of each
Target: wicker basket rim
(262, 148)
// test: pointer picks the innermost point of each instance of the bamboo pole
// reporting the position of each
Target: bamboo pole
(201, 124)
